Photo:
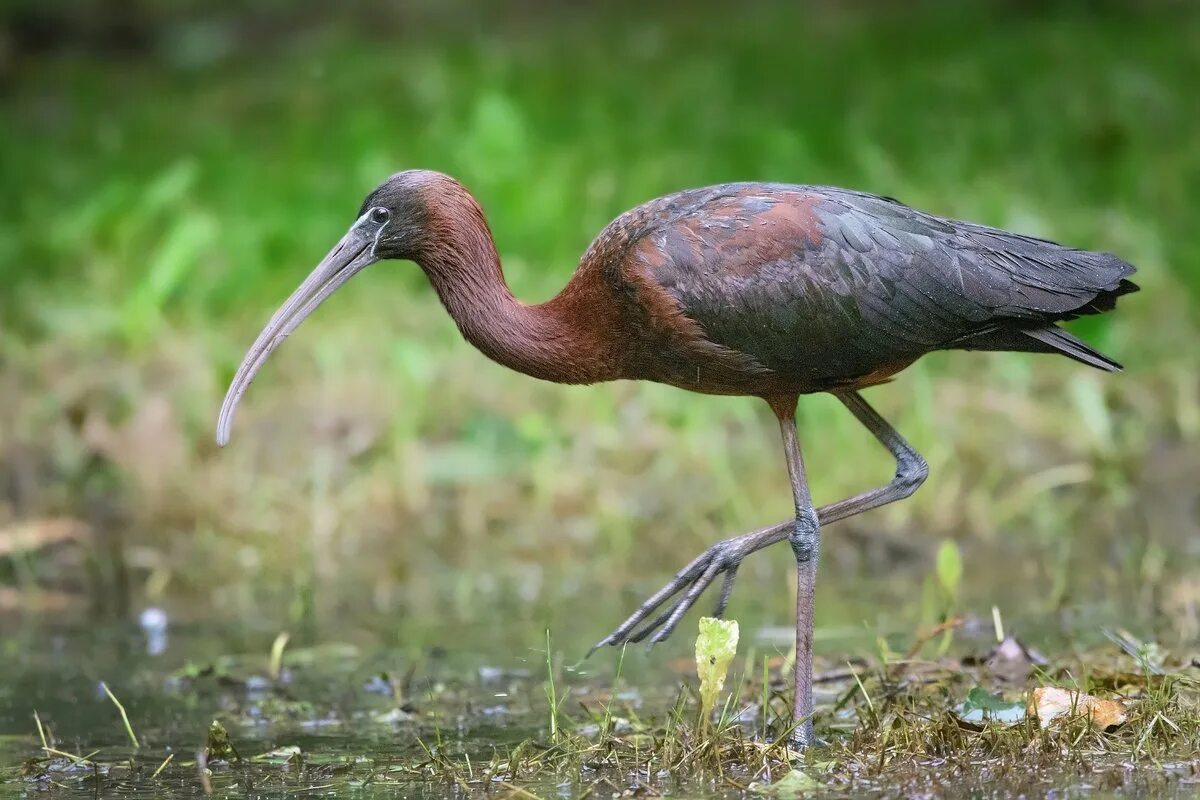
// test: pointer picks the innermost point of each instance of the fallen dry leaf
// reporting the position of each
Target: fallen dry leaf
(35, 534)
(1048, 703)
(42, 601)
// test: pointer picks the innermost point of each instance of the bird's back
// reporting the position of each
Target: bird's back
(807, 288)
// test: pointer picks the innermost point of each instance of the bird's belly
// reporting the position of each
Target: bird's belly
(707, 375)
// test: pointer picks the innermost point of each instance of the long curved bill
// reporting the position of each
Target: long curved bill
(351, 255)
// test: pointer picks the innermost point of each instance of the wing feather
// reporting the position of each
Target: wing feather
(815, 280)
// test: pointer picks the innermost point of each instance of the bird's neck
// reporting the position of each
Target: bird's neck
(564, 340)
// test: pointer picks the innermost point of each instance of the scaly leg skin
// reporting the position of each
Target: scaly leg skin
(724, 557)
(805, 538)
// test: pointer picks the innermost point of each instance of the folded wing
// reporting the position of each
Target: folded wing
(830, 284)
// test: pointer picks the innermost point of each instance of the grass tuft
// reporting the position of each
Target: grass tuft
(133, 740)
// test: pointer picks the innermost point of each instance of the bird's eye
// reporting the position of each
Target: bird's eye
(379, 215)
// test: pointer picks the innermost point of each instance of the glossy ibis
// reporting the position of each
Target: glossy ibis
(757, 289)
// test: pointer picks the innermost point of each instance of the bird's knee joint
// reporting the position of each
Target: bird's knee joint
(911, 473)
(806, 536)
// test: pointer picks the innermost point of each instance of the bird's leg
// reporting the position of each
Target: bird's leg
(805, 538)
(724, 557)
(911, 469)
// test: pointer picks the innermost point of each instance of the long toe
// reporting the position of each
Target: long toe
(724, 556)
(726, 591)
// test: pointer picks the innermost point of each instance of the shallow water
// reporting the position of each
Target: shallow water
(469, 692)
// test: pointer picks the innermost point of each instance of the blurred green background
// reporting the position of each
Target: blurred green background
(172, 169)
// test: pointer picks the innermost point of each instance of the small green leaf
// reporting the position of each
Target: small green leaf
(280, 756)
(949, 567)
(218, 746)
(715, 648)
(981, 705)
(795, 784)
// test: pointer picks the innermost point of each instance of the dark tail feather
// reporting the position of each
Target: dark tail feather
(1105, 300)
(1061, 341)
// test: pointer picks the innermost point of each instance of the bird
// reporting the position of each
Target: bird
(764, 290)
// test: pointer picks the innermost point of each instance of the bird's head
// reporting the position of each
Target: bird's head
(395, 221)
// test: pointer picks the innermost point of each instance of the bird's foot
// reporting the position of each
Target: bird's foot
(723, 557)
